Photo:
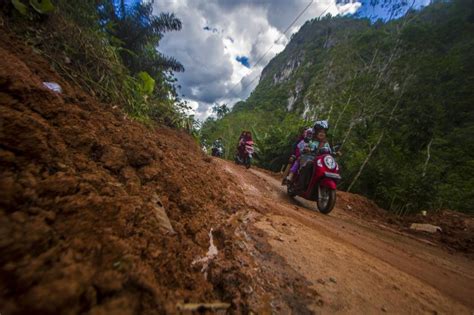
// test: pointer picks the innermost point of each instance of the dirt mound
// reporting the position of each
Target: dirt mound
(97, 212)
(101, 215)
(360, 206)
(457, 229)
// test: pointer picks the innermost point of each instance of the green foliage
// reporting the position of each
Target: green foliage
(138, 32)
(220, 110)
(397, 95)
(23, 9)
(110, 50)
(147, 84)
(40, 6)
(273, 134)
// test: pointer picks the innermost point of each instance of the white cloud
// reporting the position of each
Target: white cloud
(235, 29)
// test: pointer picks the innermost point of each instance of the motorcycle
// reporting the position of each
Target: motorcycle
(246, 157)
(317, 181)
(217, 151)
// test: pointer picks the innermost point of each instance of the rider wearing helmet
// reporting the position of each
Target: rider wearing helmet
(320, 132)
(309, 147)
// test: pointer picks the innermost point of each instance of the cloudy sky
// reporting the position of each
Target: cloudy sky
(222, 40)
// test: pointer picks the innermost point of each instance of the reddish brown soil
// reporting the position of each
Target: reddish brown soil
(82, 193)
(357, 266)
(457, 228)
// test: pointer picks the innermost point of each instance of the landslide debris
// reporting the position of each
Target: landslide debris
(102, 215)
(98, 213)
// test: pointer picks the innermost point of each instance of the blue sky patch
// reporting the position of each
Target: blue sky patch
(244, 60)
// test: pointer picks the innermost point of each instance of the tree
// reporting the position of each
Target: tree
(137, 31)
(220, 110)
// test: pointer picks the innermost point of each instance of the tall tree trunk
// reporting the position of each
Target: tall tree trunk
(366, 161)
(428, 157)
(351, 125)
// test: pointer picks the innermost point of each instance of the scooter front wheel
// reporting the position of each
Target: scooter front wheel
(326, 199)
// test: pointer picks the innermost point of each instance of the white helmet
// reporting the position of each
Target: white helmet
(321, 124)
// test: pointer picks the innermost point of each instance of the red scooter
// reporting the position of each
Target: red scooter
(317, 181)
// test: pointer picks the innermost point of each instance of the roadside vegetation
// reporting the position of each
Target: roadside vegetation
(108, 47)
(398, 97)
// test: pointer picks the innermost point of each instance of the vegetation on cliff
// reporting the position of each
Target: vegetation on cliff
(398, 96)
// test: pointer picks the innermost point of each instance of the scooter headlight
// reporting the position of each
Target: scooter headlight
(329, 162)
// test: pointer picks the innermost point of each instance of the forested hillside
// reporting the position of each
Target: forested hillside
(398, 97)
(110, 48)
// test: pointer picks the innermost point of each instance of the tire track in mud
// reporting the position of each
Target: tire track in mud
(376, 269)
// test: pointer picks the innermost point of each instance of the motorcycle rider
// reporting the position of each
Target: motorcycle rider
(244, 137)
(217, 144)
(308, 149)
(320, 132)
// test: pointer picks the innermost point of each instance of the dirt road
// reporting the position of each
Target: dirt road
(356, 266)
(101, 215)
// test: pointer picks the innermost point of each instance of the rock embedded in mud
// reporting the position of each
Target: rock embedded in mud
(425, 227)
(160, 214)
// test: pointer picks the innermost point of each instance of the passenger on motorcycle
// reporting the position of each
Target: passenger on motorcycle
(292, 159)
(304, 147)
(244, 137)
(308, 149)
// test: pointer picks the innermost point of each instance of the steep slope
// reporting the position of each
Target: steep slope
(102, 215)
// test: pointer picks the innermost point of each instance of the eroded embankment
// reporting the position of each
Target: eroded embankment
(101, 214)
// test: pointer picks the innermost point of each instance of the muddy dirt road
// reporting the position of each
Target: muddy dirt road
(101, 215)
(356, 266)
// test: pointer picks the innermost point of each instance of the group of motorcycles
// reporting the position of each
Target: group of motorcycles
(242, 157)
(316, 181)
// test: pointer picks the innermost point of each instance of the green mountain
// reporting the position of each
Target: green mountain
(398, 96)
